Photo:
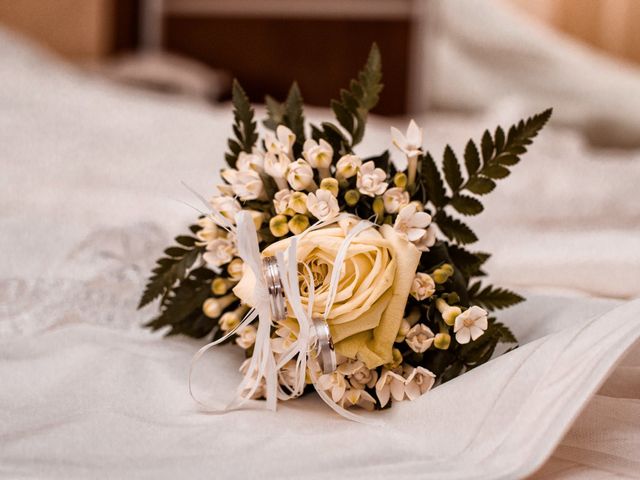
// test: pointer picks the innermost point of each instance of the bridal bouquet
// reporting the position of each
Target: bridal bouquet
(336, 273)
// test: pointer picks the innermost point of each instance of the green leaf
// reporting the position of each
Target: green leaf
(496, 171)
(495, 298)
(275, 113)
(432, 180)
(466, 205)
(454, 229)
(470, 263)
(504, 333)
(171, 269)
(182, 308)
(294, 114)
(451, 168)
(498, 139)
(471, 158)
(363, 94)
(487, 146)
(480, 185)
(244, 126)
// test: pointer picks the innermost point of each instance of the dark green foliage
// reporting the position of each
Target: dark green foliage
(493, 298)
(483, 168)
(171, 268)
(432, 181)
(182, 307)
(352, 109)
(244, 126)
(469, 263)
(290, 113)
(454, 228)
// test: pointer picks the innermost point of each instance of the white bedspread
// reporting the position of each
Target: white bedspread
(90, 175)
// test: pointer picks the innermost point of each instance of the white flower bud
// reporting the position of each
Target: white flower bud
(219, 252)
(318, 154)
(323, 205)
(227, 206)
(423, 286)
(348, 166)
(247, 185)
(276, 165)
(282, 142)
(247, 337)
(281, 201)
(419, 338)
(250, 161)
(394, 199)
(371, 180)
(300, 175)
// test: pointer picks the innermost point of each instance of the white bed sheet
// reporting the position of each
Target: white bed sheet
(89, 195)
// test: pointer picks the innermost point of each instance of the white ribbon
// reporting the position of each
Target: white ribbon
(263, 365)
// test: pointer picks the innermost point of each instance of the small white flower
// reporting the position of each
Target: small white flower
(371, 180)
(276, 165)
(319, 155)
(423, 286)
(414, 382)
(250, 161)
(427, 240)
(359, 375)
(348, 166)
(220, 252)
(227, 206)
(247, 336)
(247, 184)
(286, 335)
(208, 232)
(323, 205)
(282, 142)
(281, 201)
(300, 175)
(470, 324)
(357, 397)
(419, 338)
(411, 143)
(394, 199)
(334, 383)
(412, 224)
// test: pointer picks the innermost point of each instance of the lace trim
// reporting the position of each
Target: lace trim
(102, 282)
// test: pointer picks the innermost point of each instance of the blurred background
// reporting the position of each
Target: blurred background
(459, 55)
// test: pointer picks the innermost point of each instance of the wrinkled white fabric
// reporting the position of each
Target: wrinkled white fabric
(89, 174)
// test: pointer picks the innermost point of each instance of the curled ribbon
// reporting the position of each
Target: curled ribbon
(263, 365)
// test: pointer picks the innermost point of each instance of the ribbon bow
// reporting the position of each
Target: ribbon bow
(265, 368)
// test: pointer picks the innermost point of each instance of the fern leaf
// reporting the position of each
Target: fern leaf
(171, 268)
(495, 298)
(466, 205)
(362, 96)
(454, 229)
(451, 168)
(244, 126)
(432, 180)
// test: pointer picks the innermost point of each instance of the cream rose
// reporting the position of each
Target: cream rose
(372, 292)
